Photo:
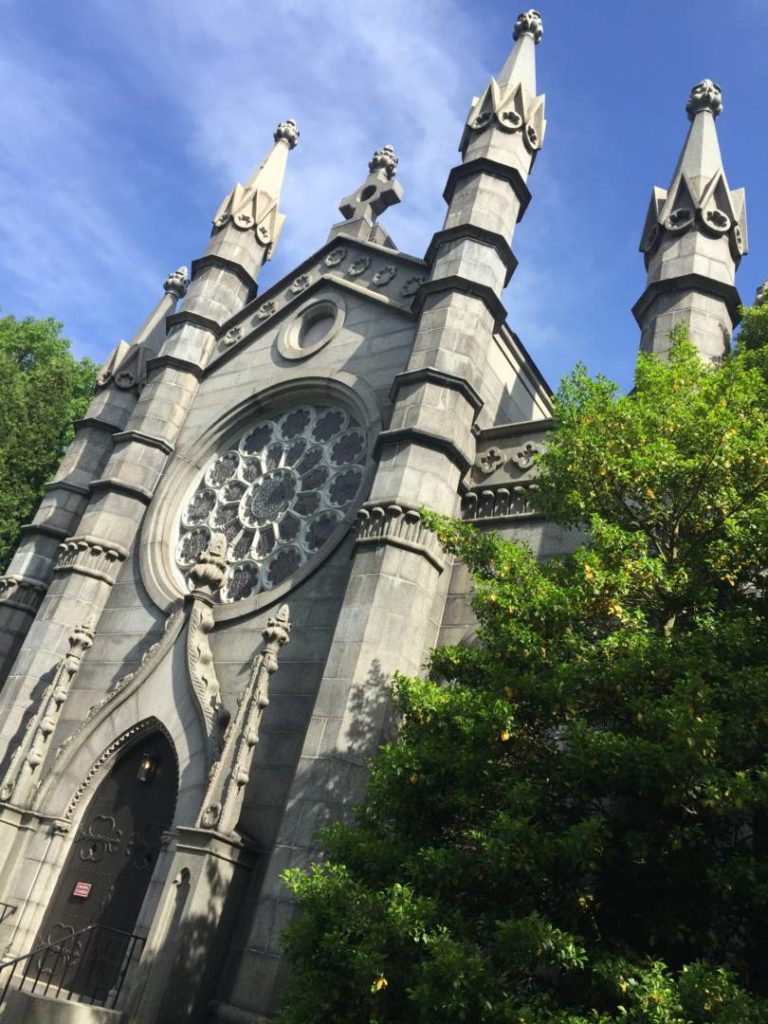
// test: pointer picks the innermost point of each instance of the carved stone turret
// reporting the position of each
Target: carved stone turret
(378, 192)
(694, 236)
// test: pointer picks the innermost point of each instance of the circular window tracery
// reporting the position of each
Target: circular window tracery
(278, 495)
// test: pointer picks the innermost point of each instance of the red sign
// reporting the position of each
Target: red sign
(82, 889)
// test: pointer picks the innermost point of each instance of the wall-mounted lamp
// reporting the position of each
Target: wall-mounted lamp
(147, 768)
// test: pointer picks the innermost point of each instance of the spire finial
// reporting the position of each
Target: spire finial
(177, 283)
(289, 132)
(529, 23)
(384, 159)
(705, 95)
(761, 295)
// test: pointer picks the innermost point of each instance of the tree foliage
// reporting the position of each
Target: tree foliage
(572, 825)
(43, 388)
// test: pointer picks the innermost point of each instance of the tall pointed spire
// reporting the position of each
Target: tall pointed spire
(253, 207)
(694, 236)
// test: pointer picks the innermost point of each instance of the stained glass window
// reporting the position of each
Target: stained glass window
(278, 495)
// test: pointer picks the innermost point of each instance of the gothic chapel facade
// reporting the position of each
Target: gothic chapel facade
(197, 629)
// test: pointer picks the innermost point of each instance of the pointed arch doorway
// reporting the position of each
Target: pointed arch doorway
(108, 869)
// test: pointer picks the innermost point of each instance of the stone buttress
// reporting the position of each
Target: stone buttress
(67, 495)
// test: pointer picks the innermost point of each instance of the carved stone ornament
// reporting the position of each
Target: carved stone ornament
(177, 283)
(399, 526)
(90, 556)
(301, 284)
(379, 191)
(288, 132)
(511, 109)
(761, 295)
(498, 503)
(488, 462)
(22, 593)
(525, 457)
(207, 574)
(384, 276)
(411, 286)
(21, 781)
(266, 309)
(226, 790)
(384, 159)
(529, 23)
(706, 95)
(359, 266)
(335, 257)
(233, 335)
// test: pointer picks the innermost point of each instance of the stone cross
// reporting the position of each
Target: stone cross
(379, 190)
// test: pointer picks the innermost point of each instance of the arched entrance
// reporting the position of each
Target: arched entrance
(109, 867)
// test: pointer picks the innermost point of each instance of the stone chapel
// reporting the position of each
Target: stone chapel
(198, 627)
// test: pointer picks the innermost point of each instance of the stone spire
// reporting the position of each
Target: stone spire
(509, 103)
(694, 236)
(379, 191)
(253, 207)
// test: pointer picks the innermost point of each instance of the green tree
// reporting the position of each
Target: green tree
(572, 825)
(43, 388)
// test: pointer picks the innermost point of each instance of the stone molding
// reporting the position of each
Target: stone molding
(463, 285)
(45, 530)
(22, 593)
(431, 375)
(484, 165)
(150, 724)
(477, 234)
(150, 440)
(688, 282)
(213, 260)
(400, 526)
(175, 363)
(118, 486)
(186, 316)
(20, 781)
(94, 423)
(91, 556)
(424, 439)
(66, 485)
(224, 798)
(495, 504)
(337, 263)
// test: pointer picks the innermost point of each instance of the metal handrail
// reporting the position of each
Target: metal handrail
(63, 950)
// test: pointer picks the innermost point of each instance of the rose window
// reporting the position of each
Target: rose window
(277, 496)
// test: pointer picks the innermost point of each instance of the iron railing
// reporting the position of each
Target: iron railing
(87, 966)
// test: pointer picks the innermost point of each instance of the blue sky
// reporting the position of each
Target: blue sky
(125, 124)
